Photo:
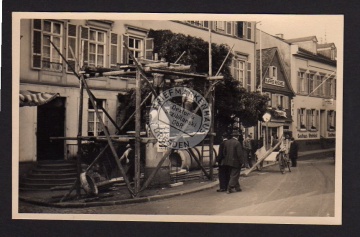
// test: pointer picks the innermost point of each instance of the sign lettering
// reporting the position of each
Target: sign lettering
(272, 81)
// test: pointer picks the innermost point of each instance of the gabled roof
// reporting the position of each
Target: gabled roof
(268, 55)
(326, 45)
(302, 39)
(317, 57)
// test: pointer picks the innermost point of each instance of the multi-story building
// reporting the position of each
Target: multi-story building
(99, 43)
(275, 83)
(312, 70)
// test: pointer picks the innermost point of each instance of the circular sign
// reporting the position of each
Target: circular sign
(266, 117)
(180, 118)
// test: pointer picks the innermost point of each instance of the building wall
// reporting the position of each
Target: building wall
(67, 85)
(321, 138)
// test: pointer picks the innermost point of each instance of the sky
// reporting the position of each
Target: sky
(296, 26)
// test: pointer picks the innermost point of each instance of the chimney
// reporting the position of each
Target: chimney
(280, 35)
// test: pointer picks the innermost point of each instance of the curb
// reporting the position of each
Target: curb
(119, 202)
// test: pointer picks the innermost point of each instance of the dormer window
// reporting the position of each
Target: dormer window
(273, 72)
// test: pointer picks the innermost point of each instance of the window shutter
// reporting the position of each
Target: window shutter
(317, 119)
(149, 48)
(306, 89)
(71, 42)
(248, 76)
(206, 24)
(113, 50)
(285, 102)
(274, 100)
(228, 27)
(308, 121)
(84, 46)
(125, 52)
(298, 119)
(248, 29)
(36, 47)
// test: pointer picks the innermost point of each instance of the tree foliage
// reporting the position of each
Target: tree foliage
(231, 99)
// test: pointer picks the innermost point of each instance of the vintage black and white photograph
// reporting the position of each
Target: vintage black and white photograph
(218, 118)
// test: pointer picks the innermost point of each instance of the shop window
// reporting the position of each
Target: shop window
(301, 120)
(331, 120)
(44, 54)
(302, 85)
(94, 127)
(312, 120)
(220, 25)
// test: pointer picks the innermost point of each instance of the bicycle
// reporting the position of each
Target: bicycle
(283, 161)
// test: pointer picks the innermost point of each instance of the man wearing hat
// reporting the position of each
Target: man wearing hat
(233, 157)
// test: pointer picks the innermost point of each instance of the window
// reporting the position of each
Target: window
(239, 70)
(310, 78)
(301, 123)
(321, 90)
(97, 48)
(94, 127)
(220, 25)
(273, 72)
(139, 47)
(44, 54)
(243, 30)
(302, 88)
(330, 88)
(317, 83)
(331, 120)
(312, 119)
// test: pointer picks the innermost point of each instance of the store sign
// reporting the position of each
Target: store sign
(307, 135)
(331, 134)
(272, 81)
(328, 101)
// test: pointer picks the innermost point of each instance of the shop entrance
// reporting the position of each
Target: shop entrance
(51, 123)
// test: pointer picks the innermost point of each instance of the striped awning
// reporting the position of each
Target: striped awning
(33, 98)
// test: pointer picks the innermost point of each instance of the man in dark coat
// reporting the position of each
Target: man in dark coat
(233, 157)
(293, 152)
(224, 170)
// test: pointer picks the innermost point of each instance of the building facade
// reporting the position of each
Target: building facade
(312, 70)
(275, 83)
(99, 43)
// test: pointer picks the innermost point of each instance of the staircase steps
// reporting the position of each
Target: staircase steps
(49, 174)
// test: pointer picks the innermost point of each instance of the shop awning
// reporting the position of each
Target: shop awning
(33, 98)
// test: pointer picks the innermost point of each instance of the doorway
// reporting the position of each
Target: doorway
(51, 123)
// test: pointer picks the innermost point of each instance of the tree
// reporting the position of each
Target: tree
(232, 101)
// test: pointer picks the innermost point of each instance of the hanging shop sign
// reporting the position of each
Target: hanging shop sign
(272, 81)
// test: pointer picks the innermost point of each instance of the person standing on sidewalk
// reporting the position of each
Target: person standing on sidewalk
(248, 151)
(233, 157)
(224, 170)
(293, 152)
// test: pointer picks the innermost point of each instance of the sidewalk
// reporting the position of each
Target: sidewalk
(119, 194)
